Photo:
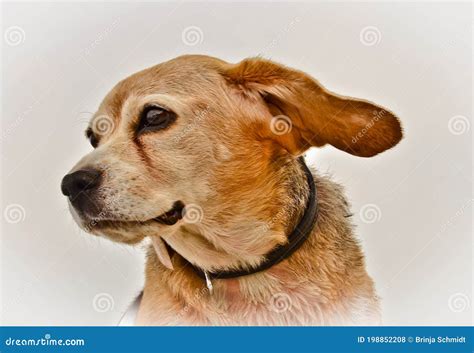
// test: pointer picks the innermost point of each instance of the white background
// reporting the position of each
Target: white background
(415, 59)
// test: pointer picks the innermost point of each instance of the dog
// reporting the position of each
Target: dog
(203, 158)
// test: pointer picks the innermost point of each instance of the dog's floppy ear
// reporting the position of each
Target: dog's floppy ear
(306, 114)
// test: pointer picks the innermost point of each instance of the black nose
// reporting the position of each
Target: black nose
(75, 183)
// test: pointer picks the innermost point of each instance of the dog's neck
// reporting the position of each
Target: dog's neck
(238, 234)
(327, 269)
(295, 240)
(223, 243)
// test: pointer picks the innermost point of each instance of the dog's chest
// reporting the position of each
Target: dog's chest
(281, 308)
(233, 305)
(298, 306)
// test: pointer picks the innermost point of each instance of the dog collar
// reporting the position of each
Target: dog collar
(295, 239)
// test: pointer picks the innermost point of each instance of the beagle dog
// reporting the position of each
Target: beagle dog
(204, 158)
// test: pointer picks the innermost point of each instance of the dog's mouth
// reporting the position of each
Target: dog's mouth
(173, 215)
(170, 217)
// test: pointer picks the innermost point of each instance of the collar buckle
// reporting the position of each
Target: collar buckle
(208, 282)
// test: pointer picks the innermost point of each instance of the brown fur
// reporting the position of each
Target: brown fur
(223, 155)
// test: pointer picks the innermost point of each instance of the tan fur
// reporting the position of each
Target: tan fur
(222, 155)
(323, 283)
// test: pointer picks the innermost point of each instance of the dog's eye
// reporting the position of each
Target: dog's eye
(92, 137)
(155, 118)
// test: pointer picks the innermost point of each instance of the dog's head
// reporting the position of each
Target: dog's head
(199, 133)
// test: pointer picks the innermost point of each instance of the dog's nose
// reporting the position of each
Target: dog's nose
(75, 183)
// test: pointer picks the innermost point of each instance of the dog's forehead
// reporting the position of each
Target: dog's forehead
(184, 75)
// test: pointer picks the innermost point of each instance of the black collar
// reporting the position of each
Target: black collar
(295, 239)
